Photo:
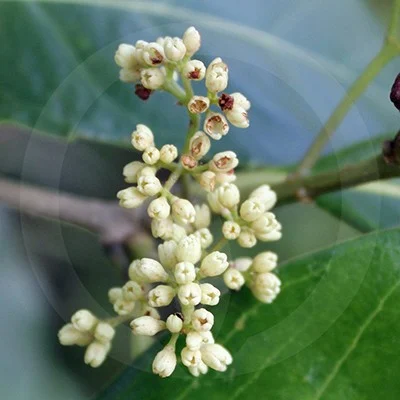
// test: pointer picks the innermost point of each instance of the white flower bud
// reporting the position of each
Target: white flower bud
(217, 76)
(202, 320)
(161, 296)
(178, 233)
(252, 209)
(199, 145)
(153, 54)
(233, 279)
(140, 46)
(68, 335)
(124, 307)
(271, 236)
(224, 161)
(168, 153)
(207, 337)
(132, 291)
(266, 287)
(199, 369)
(104, 332)
(238, 117)
(241, 101)
(194, 70)
(166, 254)
(228, 195)
(203, 216)
(242, 264)
(194, 340)
(205, 236)
(215, 125)
(214, 264)
(131, 171)
(183, 211)
(130, 198)
(225, 177)
(184, 272)
(266, 195)
(207, 181)
(190, 358)
(96, 353)
(129, 75)
(189, 249)
(148, 311)
(114, 294)
(265, 262)
(142, 137)
(192, 40)
(147, 171)
(198, 104)
(165, 362)
(149, 270)
(265, 223)
(125, 56)
(151, 155)
(152, 78)
(247, 238)
(216, 356)
(162, 228)
(149, 185)
(209, 294)
(147, 326)
(231, 230)
(84, 320)
(215, 205)
(174, 323)
(174, 49)
(189, 294)
(159, 208)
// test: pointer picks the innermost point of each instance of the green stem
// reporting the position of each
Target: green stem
(176, 90)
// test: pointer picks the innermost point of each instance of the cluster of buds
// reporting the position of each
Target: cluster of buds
(180, 276)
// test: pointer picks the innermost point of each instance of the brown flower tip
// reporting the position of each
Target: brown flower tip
(188, 161)
(142, 92)
(226, 102)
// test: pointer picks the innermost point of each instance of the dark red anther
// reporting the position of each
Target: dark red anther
(226, 102)
(395, 93)
(142, 92)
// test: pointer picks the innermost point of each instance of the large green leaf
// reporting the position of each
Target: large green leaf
(331, 334)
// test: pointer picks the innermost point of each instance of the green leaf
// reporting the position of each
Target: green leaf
(331, 334)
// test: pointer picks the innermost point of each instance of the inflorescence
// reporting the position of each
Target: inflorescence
(187, 258)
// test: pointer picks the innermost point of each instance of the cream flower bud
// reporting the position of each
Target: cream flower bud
(131, 171)
(265, 262)
(202, 320)
(207, 337)
(190, 358)
(153, 54)
(224, 161)
(213, 201)
(207, 181)
(174, 323)
(265, 224)
(125, 56)
(149, 185)
(166, 254)
(199, 369)
(242, 264)
(225, 177)
(68, 335)
(147, 326)
(184, 272)
(140, 46)
(266, 195)
(266, 287)
(147, 171)
(272, 235)
(162, 228)
(130, 198)
(123, 307)
(168, 153)
(96, 353)
(198, 104)
(238, 117)
(203, 216)
(247, 238)
(148, 311)
(151, 155)
(252, 209)
(132, 291)
(231, 230)
(194, 340)
(165, 362)
(217, 76)
(114, 294)
(233, 279)
(159, 208)
(152, 78)
(189, 249)
(161, 296)
(205, 236)
(178, 233)
(215, 125)
(174, 49)
(83, 320)
(228, 195)
(142, 137)
(192, 40)
(183, 211)
(241, 101)
(189, 294)
(209, 294)
(194, 70)
(129, 75)
(216, 356)
(199, 145)
(214, 264)
(148, 270)
(104, 332)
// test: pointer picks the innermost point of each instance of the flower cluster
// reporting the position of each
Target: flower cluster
(187, 256)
